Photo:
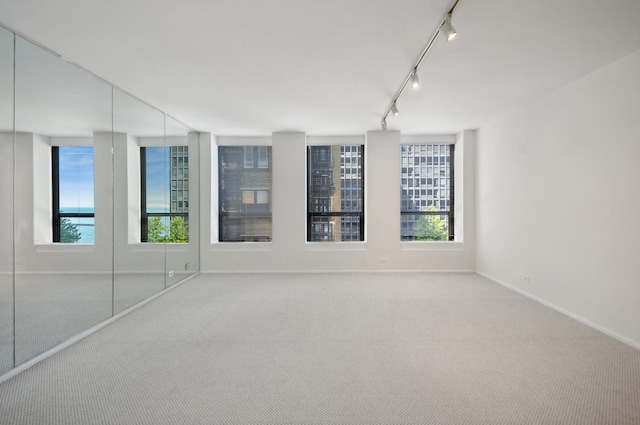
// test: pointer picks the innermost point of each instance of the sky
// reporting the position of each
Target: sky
(76, 178)
(158, 178)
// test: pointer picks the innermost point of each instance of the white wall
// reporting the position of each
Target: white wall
(381, 250)
(558, 198)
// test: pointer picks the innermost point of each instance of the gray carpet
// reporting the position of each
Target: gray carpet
(334, 349)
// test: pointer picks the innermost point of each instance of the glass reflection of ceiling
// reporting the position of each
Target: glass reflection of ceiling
(59, 99)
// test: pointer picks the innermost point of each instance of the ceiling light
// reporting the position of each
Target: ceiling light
(415, 81)
(447, 29)
(394, 109)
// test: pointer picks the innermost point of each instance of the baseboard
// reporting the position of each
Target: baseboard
(56, 349)
(608, 332)
(324, 271)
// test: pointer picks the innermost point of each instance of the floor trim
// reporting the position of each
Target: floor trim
(606, 331)
(321, 271)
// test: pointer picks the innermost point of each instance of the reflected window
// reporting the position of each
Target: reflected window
(73, 200)
(164, 194)
(244, 193)
(335, 193)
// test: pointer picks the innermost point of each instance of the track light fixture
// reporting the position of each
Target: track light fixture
(446, 30)
(415, 81)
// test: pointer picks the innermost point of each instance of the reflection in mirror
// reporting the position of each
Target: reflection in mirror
(141, 168)
(6, 197)
(183, 226)
(74, 251)
(63, 233)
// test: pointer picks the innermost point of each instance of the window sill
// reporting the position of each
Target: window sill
(241, 246)
(158, 247)
(335, 246)
(65, 247)
(432, 246)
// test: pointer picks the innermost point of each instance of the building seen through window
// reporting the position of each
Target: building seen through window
(427, 192)
(244, 193)
(335, 193)
(164, 193)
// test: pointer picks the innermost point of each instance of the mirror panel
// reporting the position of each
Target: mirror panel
(83, 169)
(6, 194)
(63, 232)
(141, 170)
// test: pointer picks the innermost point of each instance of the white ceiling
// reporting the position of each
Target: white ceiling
(252, 67)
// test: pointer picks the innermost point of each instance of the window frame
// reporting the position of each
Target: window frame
(253, 157)
(450, 212)
(57, 216)
(328, 215)
(144, 214)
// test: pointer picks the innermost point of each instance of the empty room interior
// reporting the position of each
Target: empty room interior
(320, 212)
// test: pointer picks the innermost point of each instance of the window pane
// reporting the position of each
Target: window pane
(158, 176)
(247, 197)
(335, 229)
(263, 157)
(76, 194)
(76, 178)
(244, 200)
(332, 178)
(424, 227)
(77, 229)
(436, 198)
(262, 197)
(335, 187)
(165, 208)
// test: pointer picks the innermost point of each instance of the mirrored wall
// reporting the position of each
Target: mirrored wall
(99, 203)
(6, 205)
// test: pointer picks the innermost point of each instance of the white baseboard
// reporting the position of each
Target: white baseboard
(606, 331)
(324, 271)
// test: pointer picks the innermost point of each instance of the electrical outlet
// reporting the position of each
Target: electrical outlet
(525, 278)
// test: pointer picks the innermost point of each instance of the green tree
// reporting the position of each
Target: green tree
(178, 231)
(156, 230)
(431, 227)
(69, 232)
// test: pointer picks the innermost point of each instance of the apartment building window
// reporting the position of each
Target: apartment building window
(73, 218)
(244, 193)
(335, 193)
(427, 192)
(164, 194)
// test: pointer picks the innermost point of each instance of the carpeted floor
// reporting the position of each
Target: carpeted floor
(334, 349)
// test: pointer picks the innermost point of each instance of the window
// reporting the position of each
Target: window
(164, 177)
(335, 193)
(72, 181)
(244, 193)
(428, 215)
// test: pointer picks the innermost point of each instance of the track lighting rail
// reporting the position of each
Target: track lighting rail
(446, 29)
